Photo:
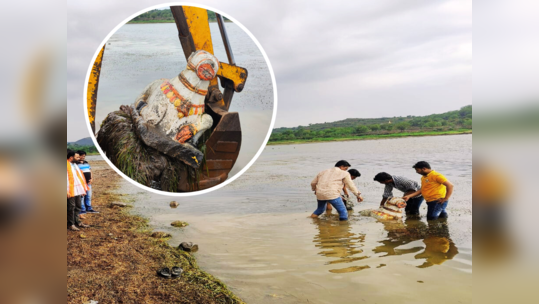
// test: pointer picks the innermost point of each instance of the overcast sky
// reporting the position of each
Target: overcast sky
(332, 60)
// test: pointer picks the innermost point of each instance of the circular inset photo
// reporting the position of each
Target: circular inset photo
(180, 100)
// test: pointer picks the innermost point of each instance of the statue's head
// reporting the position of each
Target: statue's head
(204, 64)
(396, 203)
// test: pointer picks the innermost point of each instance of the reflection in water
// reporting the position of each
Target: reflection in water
(439, 246)
(400, 234)
(435, 235)
(263, 248)
(338, 242)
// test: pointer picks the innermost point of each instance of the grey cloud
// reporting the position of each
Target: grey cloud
(88, 24)
(370, 58)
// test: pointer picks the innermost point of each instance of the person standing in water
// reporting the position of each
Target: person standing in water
(354, 174)
(327, 187)
(436, 190)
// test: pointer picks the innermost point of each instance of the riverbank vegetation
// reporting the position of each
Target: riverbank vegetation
(370, 137)
(165, 16)
(116, 260)
(454, 122)
(90, 150)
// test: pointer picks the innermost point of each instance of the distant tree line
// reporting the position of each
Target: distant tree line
(165, 16)
(87, 149)
(454, 120)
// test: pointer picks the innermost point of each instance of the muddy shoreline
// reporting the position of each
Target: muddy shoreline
(115, 261)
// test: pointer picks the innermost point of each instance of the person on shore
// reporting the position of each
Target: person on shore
(327, 187)
(84, 166)
(76, 188)
(436, 190)
(407, 186)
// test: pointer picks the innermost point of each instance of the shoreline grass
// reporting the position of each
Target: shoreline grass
(370, 137)
(115, 261)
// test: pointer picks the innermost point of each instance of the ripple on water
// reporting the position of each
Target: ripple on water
(255, 234)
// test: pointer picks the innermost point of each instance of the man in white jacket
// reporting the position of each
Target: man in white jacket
(328, 185)
(76, 188)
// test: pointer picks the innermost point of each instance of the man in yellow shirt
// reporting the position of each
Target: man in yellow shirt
(436, 190)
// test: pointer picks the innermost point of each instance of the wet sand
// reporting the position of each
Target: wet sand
(254, 234)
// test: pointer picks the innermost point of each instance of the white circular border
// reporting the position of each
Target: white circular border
(183, 194)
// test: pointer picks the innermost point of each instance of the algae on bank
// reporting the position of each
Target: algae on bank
(118, 259)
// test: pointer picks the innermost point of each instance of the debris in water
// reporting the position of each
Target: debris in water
(188, 247)
(161, 235)
(179, 224)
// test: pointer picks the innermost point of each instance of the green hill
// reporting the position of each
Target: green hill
(85, 144)
(449, 122)
(165, 16)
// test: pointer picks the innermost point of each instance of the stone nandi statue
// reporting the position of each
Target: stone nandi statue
(176, 106)
(152, 140)
(392, 210)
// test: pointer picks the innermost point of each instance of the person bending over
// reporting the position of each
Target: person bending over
(327, 187)
(354, 174)
(407, 186)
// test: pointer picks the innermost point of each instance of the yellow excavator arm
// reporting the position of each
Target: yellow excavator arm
(223, 146)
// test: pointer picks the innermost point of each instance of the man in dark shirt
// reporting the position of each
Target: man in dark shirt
(407, 186)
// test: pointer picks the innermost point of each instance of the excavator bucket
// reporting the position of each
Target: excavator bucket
(224, 143)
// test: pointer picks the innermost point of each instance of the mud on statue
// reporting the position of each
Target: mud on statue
(159, 139)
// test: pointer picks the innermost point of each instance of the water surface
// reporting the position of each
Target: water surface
(256, 236)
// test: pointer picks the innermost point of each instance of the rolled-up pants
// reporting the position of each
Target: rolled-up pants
(436, 210)
(73, 211)
(413, 205)
(337, 204)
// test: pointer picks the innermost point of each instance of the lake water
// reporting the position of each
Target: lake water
(256, 236)
(91, 158)
(138, 54)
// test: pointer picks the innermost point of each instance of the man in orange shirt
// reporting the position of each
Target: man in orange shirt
(436, 190)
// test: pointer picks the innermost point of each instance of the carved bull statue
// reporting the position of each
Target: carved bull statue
(392, 210)
(150, 139)
(176, 106)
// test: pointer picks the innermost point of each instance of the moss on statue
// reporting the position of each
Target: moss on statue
(123, 145)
